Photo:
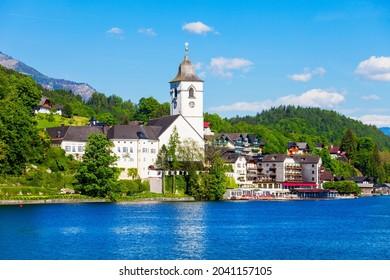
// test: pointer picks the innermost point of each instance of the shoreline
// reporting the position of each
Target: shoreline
(86, 200)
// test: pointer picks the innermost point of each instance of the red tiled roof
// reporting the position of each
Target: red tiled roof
(288, 184)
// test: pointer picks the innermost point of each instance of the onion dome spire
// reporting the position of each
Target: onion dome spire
(186, 70)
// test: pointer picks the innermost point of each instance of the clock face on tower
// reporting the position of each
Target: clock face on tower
(192, 104)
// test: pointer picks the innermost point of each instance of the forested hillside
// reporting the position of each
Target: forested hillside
(313, 125)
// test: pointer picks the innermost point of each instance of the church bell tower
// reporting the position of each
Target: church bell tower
(186, 91)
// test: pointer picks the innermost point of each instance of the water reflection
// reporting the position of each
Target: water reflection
(190, 231)
(72, 230)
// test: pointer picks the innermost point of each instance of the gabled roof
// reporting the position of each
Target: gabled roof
(133, 132)
(326, 176)
(334, 149)
(360, 179)
(43, 100)
(275, 158)
(306, 159)
(302, 145)
(81, 133)
(72, 133)
(163, 122)
(231, 157)
(57, 133)
(237, 136)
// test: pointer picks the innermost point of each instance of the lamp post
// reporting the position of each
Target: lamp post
(170, 166)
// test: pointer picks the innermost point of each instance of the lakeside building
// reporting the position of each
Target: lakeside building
(136, 145)
(72, 139)
(277, 175)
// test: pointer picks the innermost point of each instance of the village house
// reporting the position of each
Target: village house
(238, 165)
(297, 148)
(242, 143)
(46, 107)
(366, 184)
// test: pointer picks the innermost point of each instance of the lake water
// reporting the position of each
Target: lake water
(290, 230)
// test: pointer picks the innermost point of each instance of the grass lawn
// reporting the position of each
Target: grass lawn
(43, 121)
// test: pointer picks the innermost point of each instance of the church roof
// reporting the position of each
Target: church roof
(163, 122)
(186, 71)
(133, 132)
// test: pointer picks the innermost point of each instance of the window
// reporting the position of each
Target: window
(131, 149)
(312, 172)
(144, 150)
(175, 92)
(67, 149)
(119, 149)
(312, 178)
(80, 149)
(125, 149)
(73, 149)
(152, 151)
(191, 93)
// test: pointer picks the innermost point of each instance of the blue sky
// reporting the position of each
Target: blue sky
(251, 54)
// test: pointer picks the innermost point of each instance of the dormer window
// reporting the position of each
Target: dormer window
(191, 93)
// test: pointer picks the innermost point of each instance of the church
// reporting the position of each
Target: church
(137, 146)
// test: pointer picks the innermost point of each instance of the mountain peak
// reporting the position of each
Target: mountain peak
(82, 89)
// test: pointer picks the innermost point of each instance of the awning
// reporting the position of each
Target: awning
(302, 184)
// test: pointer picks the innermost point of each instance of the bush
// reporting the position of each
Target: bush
(132, 187)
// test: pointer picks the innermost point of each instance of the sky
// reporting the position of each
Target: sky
(252, 55)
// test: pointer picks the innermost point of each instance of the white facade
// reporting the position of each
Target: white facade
(239, 168)
(185, 131)
(135, 153)
(43, 110)
(187, 100)
(74, 148)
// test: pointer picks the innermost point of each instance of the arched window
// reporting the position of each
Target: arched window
(191, 93)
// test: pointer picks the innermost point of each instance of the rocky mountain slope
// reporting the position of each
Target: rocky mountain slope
(82, 89)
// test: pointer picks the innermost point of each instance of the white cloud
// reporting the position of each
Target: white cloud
(315, 98)
(147, 31)
(197, 27)
(371, 97)
(115, 31)
(224, 67)
(377, 120)
(307, 74)
(327, 99)
(375, 68)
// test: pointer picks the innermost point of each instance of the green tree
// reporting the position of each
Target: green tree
(216, 179)
(343, 187)
(191, 157)
(28, 91)
(19, 137)
(96, 176)
(173, 144)
(146, 108)
(209, 185)
(349, 144)
(67, 111)
(133, 173)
